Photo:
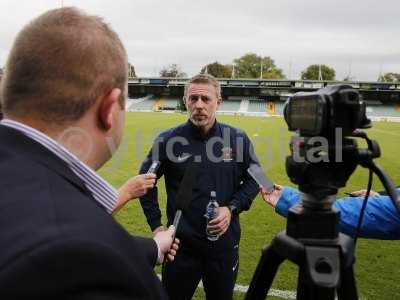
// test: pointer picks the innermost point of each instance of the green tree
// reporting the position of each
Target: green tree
(312, 73)
(389, 77)
(218, 70)
(131, 71)
(249, 66)
(172, 71)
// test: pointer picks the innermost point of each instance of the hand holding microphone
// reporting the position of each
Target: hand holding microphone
(182, 201)
(137, 186)
(168, 245)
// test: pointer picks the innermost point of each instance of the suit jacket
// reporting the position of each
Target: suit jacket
(56, 241)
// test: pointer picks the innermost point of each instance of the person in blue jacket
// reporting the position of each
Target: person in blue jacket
(381, 219)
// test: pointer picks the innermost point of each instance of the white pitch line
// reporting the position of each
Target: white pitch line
(272, 292)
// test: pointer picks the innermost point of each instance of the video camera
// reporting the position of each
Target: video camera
(323, 157)
(320, 113)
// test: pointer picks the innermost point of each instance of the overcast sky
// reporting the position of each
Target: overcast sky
(359, 37)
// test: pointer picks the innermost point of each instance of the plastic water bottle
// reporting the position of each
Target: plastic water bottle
(211, 213)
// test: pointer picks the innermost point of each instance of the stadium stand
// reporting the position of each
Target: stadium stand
(158, 105)
(279, 107)
(170, 103)
(271, 109)
(253, 106)
(166, 103)
(152, 103)
(131, 102)
(257, 106)
(373, 102)
(244, 106)
(229, 106)
(235, 98)
(141, 104)
(382, 111)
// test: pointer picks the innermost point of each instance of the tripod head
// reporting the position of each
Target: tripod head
(320, 167)
(317, 171)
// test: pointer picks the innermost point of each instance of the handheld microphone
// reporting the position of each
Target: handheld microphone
(184, 195)
(154, 167)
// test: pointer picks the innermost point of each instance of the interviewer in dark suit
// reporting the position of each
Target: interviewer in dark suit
(63, 97)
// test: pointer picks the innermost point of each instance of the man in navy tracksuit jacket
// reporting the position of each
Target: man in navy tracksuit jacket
(222, 154)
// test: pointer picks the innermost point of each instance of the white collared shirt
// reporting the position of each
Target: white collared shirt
(101, 190)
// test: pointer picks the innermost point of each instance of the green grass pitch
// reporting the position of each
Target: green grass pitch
(378, 262)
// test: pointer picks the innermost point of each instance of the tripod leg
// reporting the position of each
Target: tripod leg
(306, 290)
(264, 274)
(319, 274)
(348, 289)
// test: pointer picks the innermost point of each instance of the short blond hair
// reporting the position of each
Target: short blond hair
(60, 63)
(203, 79)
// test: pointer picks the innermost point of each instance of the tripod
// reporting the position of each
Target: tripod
(311, 240)
(325, 258)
